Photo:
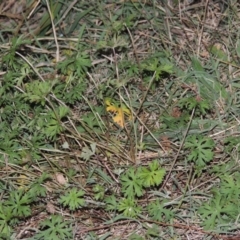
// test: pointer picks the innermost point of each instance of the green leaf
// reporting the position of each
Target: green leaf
(98, 192)
(230, 187)
(73, 199)
(19, 203)
(82, 63)
(53, 128)
(196, 64)
(54, 228)
(10, 58)
(62, 111)
(219, 53)
(5, 213)
(111, 203)
(129, 207)
(37, 189)
(135, 236)
(153, 175)
(155, 64)
(5, 229)
(78, 63)
(201, 105)
(87, 152)
(201, 149)
(132, 184)
(37, 91)
(217, 211)
(158, 212)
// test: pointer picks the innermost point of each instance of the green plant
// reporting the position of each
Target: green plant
(9, 59)
(232, 143)
(157, 63)
(158, 212)
(201, 150)
(152, 175)
(78, 63)
(132, 184)
(135, 236)
(17, 206)
(223, 207)
(218, 211)
(88, 152)
(129, 207)
(37, 91)
(99, 192)
(5, 218)
(111, 203)
(230, 187)
(52, 127)
(54, 228)
(201, 106)
(73, 199)
(134, 181)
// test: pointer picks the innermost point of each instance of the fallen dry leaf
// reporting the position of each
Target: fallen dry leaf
(60, 178)
(50, 208)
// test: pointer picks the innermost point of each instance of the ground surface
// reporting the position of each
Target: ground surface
(119, 120)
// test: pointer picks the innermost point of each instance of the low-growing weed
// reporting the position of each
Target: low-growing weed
(201, 150)
(17, 206)
(54, 228)
(222, 209)
(73, 199)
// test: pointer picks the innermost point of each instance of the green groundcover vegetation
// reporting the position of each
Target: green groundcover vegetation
(119, 119)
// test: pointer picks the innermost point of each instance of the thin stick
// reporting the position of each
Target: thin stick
(54, 32)
(201, 33)
(67, 11)
(30, 64)
(34, 7)
(180, 148)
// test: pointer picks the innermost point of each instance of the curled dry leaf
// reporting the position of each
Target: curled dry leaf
(119, 111)
(176, 112)
(50, 208)
(166, 143)
(60, 178)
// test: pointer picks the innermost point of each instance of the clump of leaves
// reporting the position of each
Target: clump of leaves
(78, 63)
(53, 125)
(132, 184)
(133, 181)
(158, 212)
(54, 228)
(232, 143)
(201, 149)
(37, 91)
(218, 211)
(201, 106)
(157, 63)
(152, 175)
(73, 199)
(10, 60)
(129, 207)
(18, 205)
(98, 192)
(223, 207)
